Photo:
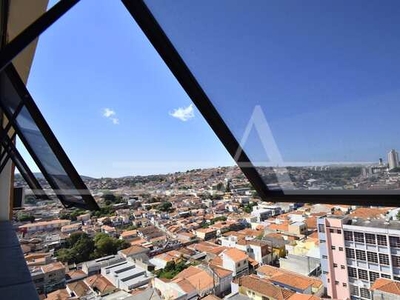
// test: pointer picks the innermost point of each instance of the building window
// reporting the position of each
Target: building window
(362, 274)
(348, 235)
(333, 247)
(328, 280)
(359, 237)
(342, 267)
(335, 265)
(352, 272)
(326, 273)
(360, 254)
(336, 282)
(373, 276)
(340, 248)
(394, 241)
(386, 276)
(382, 241)
(324, 257)
(396, 261)
(370, 238)
(383, 259)
(321, 228)
(364, 293)
(322, 241)
(354, 290)
(350, 253)
(372, 257)
(344, 284)
(397, 278)
(339, 231)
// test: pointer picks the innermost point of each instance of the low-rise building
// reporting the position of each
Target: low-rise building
(49, 277)
(385, 289)
(206, 233)
(135, 252)
(94, 266)
(71, 228)
(126, 275)
(257, 288)
(43, 226)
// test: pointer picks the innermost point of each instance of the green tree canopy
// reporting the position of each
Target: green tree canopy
(165, 206)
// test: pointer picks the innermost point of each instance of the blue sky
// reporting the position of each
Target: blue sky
(96, 58)
(326, 76)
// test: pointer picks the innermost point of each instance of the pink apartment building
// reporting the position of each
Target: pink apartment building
(355, 252)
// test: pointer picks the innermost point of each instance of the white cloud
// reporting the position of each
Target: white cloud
(110, 114)
(183, 113)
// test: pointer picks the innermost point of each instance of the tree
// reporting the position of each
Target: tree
(220, 186)
(109, 197)
(172, 268)
(80, 248)
(25, 217)
(75, 237)
(165, 206)
(105, 246)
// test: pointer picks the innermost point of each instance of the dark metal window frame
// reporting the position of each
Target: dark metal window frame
(11, 152)
(165, 48)
(26, 99)
(8, 52)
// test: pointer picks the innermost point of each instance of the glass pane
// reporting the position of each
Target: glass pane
(309, 89)
(34, 140)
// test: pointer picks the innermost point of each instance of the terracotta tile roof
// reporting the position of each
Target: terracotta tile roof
(253, 262)
(279, 227)
(75, 274)
(387, 286)
(135, 249)
(128, 233)
(268, 271)
(249, 232)
(53, 267)
(100, 283)
(300, 282)
(235, 254)
(188, 272)
(365, 212)
(201, 281)
(197, 277)
(80, 288)
(216, 261)
(58, 295)
(288, 278)
(185, 285)
(311, 222)
(264, 287)
(303, 297)
(275, 235)
(221, 272)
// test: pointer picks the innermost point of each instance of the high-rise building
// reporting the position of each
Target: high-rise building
(356, 252)
(393, 159)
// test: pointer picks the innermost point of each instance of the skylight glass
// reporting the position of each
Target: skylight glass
(309, 90)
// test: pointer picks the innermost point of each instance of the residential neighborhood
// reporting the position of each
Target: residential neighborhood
(206, 234)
